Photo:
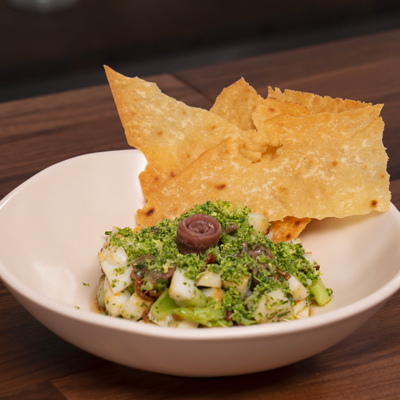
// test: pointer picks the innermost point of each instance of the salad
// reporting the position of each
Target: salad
(215, 266)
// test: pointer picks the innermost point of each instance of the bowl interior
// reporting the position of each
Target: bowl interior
(53, 226)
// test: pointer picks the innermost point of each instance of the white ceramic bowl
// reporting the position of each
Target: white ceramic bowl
(53, 225)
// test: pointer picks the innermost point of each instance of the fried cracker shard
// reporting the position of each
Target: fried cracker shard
(315, 103)
(326, 165)
(168, 132)
(236, 103)
(240, 104)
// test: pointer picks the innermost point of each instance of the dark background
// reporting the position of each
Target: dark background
(50, 52)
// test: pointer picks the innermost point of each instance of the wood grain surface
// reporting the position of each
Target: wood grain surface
(38, 132)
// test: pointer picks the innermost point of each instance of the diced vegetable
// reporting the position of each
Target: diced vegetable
(100, 300)
(114, 302)
(199, 299)
(301, 309)
(207, 316)
(309, 257)
(134, 307)
(318, 290)
(209, 279)
(215, 293)
(116, 267)
(161, 313)
(182, 288)
(163, 306)
(299, 292)
(272, 307)
(241, 287)
(304, 313)
(259, 222)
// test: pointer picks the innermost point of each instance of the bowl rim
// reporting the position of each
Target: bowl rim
(374, 299)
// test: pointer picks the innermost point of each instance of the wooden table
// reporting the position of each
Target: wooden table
(38, 132)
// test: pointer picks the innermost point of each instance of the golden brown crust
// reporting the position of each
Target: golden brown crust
(236, 104)
(315, 103)
(292, 157)
(329, 165)
(241, 105)
(168, 132)
(288, 229)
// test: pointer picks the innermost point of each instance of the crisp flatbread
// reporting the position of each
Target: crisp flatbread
(270, 108)
(254, 112)
(169, 133)
(315, 103)
(236, 103)
(241, 105)
(328, 165)
(287, 229)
